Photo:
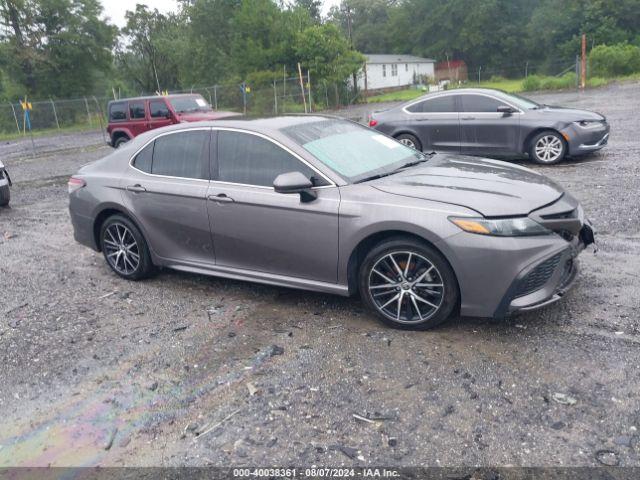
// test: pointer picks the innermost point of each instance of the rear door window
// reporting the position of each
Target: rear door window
(182, 154)
(136, 110)
(117, 112)
(158, 109)
(444, 104)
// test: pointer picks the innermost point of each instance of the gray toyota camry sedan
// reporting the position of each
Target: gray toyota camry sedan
(325, 204)
(478, 121)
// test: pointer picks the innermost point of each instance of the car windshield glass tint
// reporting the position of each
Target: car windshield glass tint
(521, 102)
(353, 151)
(193, 103)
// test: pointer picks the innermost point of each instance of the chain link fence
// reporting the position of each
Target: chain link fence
(275, 96)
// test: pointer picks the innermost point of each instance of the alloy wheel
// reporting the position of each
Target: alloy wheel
(408, 142)
(406, 287)
(121, 249)
(548, 148)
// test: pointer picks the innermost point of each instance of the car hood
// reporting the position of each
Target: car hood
(571, 114)
(204, 116)
(490, 187)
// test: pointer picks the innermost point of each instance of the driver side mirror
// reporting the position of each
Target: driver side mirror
(507, 110)
(295, 182)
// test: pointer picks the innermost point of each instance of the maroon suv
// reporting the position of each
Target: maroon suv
(130, 117)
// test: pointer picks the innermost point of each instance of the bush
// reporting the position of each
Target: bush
(614, 60)
(531, 83)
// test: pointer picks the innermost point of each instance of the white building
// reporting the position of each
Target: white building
(387, 71)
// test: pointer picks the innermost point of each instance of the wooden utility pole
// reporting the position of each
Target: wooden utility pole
(355, 75)
(304, 97)
(583, 63)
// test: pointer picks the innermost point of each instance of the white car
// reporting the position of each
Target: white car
(5, 183)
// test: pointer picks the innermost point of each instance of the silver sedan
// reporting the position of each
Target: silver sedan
(324, 204)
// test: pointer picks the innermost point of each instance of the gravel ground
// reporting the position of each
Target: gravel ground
(189, 370)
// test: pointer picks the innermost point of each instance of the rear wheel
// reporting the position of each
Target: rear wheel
(5, 195)
(547, 148)
(408, 284)
(120, 141)
(125, 249)
(410, 141)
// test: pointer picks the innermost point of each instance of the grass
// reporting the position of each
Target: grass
(43, 132)
(531, 83)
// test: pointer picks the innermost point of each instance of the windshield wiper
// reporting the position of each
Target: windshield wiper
(375, 177)
(424, 157)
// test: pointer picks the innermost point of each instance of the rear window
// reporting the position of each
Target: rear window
(117, 112)
(182, 154)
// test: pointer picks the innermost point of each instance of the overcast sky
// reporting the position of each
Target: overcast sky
(115, 9)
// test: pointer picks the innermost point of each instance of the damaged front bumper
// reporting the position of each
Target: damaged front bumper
(549, 279)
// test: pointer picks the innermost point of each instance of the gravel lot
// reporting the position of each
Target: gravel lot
(189, 370)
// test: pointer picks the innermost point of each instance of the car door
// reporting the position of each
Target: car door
(166, 191)
(159, 114)
(486, 131)
(137, 117)
(255, 228)
(436, 121)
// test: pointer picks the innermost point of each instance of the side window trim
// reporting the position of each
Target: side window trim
(133, 157)
(215, 168)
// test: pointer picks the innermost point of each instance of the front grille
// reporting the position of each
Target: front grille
(536, 278)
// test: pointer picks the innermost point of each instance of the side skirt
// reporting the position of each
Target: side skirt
(265, 278)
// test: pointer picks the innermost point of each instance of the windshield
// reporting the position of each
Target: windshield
(355, 152)
(192, 103)
(521, 102)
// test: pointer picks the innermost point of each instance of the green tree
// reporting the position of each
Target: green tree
(150, 52)
(55, 47)
(324, 51)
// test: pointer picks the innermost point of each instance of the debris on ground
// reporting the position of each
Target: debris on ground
(564, 399)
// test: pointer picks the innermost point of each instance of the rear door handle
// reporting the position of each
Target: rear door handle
(221, 198)
(136, 188)
(467, 118)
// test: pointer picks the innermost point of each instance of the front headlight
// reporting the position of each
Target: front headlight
(501, 227)
(589, 123)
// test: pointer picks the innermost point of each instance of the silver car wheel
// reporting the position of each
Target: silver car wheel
(121, 249)
(408, 142)
(548, 148)
(406, 287)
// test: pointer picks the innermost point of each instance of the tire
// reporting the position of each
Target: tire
(410, 141)
(132, 263)
(5, 195)
(420, 308)
(120, 141)
(547, 148)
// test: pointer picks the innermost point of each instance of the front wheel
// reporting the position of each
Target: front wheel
(547, 148)
(408, 284)
(125, 249)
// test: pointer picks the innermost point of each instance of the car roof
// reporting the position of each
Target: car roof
(153, 97)
(491, 91)
(265, 125)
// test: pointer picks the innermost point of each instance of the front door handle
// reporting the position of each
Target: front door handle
(467, 118)
(137, 188)
(221, 198)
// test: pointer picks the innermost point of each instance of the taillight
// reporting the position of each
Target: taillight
(75, 183)
(373, 123)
